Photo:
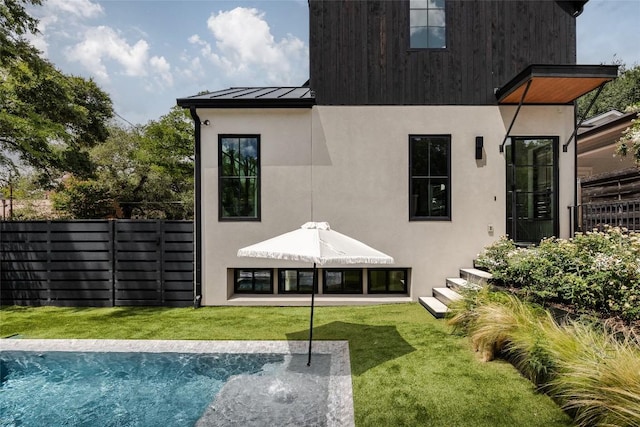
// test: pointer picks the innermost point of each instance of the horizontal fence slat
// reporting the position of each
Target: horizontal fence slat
(138, 285)
(178, 295)
(179, 256)
(80, 237)
(80, 275)
(137, 275)
(80, 256)
(131, 247)
(80, 294)
(136, 256)
(179, 275)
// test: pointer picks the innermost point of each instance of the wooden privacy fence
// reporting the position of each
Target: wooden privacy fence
(622, 213)
(96, 263)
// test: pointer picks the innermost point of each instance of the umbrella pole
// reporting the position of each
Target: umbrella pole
(313, 292)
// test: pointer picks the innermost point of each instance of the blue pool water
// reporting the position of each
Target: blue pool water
(116, 389)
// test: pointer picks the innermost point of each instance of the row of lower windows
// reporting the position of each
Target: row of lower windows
(334, 281)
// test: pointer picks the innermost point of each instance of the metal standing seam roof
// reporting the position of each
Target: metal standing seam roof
(252, 97)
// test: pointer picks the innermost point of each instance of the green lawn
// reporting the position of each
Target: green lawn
(407, 367)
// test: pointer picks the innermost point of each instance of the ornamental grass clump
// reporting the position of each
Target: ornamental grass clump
(599, 381)
(592, 370)
(500, 324)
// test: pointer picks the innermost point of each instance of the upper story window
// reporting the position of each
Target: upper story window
(430, 177)
(239, 177)
(427, 24)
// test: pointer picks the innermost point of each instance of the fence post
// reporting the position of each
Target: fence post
(48, 262)
(111, 226)
(161, 230)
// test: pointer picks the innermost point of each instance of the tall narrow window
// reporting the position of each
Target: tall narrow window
(239, 177)
(427, 24)
(430, 177)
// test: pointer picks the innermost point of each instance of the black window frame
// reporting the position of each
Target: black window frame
(446, 28)
(236, 274)
(412, 202)
(342, 271)
(281, 272)
(258, 215)
(387, 281)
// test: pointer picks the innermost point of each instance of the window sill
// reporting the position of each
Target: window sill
(321, 300)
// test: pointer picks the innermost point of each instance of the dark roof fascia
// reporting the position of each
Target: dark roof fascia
(246, 103)
(558, 70)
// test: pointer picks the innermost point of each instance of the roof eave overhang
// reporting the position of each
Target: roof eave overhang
(554, 84)
(246, 103)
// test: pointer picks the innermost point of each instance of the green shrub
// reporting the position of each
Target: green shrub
(595, 271)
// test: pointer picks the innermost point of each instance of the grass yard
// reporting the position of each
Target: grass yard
(407, 367)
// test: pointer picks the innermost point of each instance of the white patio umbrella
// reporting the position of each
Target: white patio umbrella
(317, 243)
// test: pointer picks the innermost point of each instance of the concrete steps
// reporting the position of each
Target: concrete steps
(470, 279)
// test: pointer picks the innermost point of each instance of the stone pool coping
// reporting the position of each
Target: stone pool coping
(340, 393)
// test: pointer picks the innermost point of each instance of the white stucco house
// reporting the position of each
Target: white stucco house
(427, 130)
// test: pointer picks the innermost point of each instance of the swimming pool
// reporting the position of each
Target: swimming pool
(174, 383)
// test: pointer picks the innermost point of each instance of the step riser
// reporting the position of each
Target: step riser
(436, 309)
(446, 297)
(477, 277)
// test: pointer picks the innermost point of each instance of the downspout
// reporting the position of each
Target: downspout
(197, 290)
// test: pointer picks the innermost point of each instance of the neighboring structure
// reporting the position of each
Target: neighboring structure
(609, 184)
(426, 130)
(597, 141)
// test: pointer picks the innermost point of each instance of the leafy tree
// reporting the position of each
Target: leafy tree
(630, 139)
(618, 94)
(15, 23)
(84, 199)
(146, 171)
(47, 119)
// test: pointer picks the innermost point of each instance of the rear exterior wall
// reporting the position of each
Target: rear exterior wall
(349, 166)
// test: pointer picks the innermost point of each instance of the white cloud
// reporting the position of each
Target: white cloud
(162, 69)
(79, 8)
(104, 43)
(246, 50)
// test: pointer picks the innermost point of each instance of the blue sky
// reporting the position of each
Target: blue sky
(147, 53)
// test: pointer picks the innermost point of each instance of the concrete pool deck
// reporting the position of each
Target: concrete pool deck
(333, 369)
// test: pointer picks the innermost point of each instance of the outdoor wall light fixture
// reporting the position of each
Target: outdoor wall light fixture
(206, 122)
(479, 146)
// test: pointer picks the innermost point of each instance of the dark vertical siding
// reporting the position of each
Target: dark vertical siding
(359, 50)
